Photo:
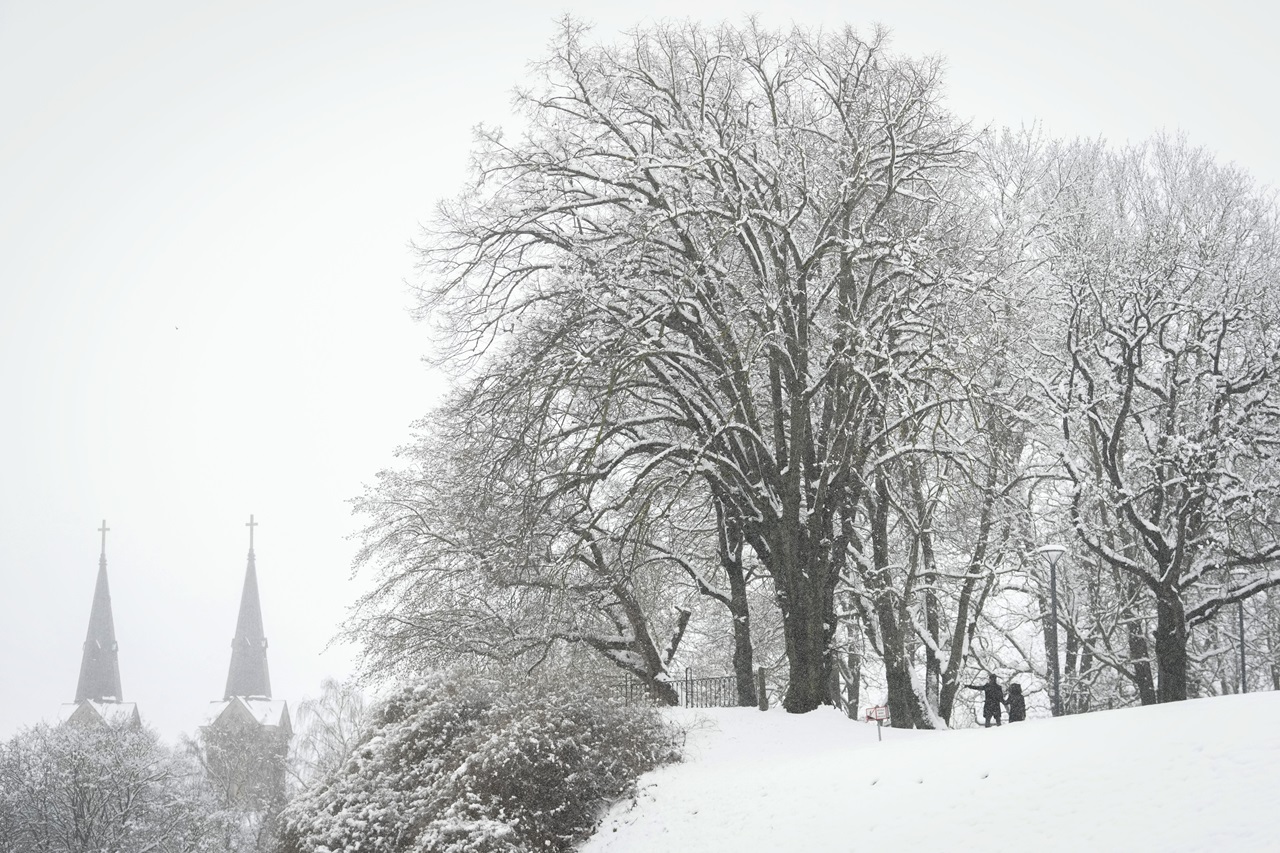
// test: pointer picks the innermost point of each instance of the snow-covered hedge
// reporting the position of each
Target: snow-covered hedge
(468, 765)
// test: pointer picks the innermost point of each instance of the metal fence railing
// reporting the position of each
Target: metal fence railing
(716, 691)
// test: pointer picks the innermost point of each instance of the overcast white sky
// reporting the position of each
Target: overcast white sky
(204, 219)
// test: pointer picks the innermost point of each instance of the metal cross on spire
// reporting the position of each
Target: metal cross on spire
(251, 524)
(103, 530)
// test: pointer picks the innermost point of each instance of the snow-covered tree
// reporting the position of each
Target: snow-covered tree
(326, 728)
(493, 544)
(750, 230)
(946, 526)
(77, 788)
(244, 768)
(1170, 406)
(745, 311)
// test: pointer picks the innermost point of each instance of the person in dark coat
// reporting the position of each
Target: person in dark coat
(993, 697)
(1016, 704)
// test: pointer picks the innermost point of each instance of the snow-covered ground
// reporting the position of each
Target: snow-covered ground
(1200, 775)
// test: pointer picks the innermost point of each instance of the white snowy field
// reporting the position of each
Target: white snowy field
(1200, 775)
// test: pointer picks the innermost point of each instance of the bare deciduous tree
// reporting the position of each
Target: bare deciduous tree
(1171, 409)
(76, 788)
(498, 547)
(747, 225)
(326, 728)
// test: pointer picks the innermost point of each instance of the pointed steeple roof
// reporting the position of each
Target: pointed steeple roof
(248, 675)
(100, 665)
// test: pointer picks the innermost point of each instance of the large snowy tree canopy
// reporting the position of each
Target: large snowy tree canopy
(760, 351)
(736, 241)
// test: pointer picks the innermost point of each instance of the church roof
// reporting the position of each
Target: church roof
(89, 711)
(270, 713)
(100, 664)
(248, 674)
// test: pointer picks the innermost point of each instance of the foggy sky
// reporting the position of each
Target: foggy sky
(204, 226)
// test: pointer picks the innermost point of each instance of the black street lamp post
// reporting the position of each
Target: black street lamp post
(1244, 682)
(1053, 553)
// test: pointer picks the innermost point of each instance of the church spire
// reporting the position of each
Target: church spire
(248, 675)
(100, 665)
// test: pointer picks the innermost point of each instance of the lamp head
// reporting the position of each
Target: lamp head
(1052, 553)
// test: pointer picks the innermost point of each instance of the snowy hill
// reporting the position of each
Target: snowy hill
(1197, 775)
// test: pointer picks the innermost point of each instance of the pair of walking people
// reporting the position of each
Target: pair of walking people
(993, 697)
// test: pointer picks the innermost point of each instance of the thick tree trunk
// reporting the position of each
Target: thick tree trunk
(852, 672)
(1140, 654)
(800, 552)
(1050, 630)
(808, 616)
(663, 692)
(933, 662)
(807, 666)
(730, 544)
(1135, 630)
(743, 654)
(1171, 647)
(905, 707)
(1084, 701)
(927, 565)
(1072, 656)
(904, 703)
(1071, 672)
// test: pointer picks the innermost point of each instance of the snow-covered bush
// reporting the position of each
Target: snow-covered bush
(101, 785)
(470, 765)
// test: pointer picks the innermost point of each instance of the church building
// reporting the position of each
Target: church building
(247, 698)
(246, 710)
(98, 695)
(247, 733)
